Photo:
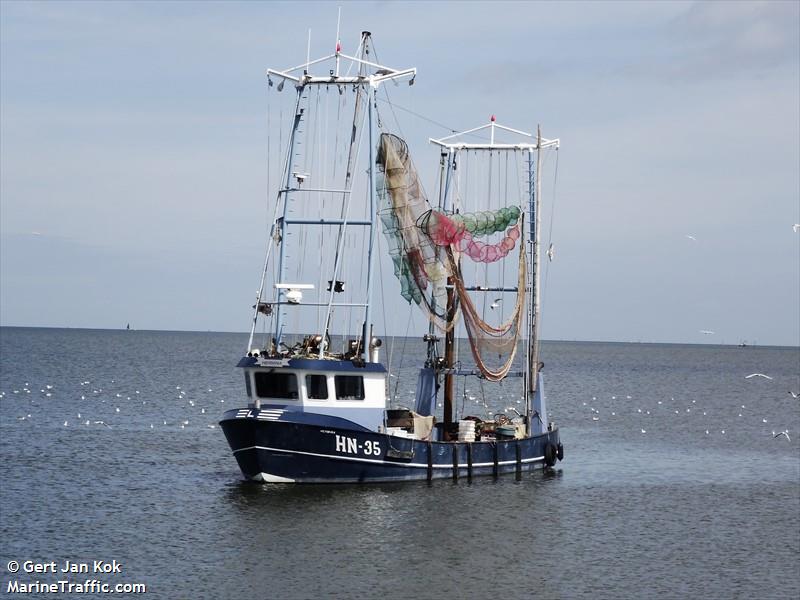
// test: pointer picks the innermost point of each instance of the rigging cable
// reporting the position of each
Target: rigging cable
(550, 232)
(270, 244)
(343, 227)
(403, 352)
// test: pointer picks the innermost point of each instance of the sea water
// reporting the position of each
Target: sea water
(672, 485)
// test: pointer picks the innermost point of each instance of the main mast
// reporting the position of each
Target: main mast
(534, 394)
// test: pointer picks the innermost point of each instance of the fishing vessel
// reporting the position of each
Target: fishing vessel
(322, 407)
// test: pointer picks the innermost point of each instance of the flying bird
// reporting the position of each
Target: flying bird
(757, 375)
(794, 395)
(706, 332)
(550, 252)
(495, 303)
(780, 433)
(796, 227)
(691, 237)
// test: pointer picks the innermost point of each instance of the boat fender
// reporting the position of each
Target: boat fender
(560, 451)
(550, 454)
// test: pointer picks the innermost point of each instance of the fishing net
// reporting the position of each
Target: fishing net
(417, 261)
(426, 247)
(460, 231)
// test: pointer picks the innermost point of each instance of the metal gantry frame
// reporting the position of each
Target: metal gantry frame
(301, 77)
(452, 144)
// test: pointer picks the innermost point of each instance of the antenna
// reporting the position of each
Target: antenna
(308, 50)
(338, 42)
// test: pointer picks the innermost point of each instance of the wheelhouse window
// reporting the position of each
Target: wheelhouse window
(247, 384)
(349, 387)
(276, 385)
(317, 387)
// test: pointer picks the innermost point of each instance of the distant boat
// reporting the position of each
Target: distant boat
(319, 415)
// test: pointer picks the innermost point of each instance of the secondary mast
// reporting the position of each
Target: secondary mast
(453, 144)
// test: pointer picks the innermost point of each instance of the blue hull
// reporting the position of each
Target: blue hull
(299, 450)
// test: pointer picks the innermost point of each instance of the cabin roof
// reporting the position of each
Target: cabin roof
(310, 364)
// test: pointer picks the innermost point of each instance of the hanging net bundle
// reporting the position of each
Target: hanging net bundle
(426, 247)
(417, 263)
(484, 339)
(460, 231)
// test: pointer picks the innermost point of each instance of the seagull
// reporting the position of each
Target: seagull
(495, 303)
(757, 375)
(796, 227)
(706, 332)
(691, 237)
(794, 395)
(780, 433)
(550, 252)
(644, 431)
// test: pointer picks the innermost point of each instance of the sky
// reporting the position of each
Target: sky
(133, 136)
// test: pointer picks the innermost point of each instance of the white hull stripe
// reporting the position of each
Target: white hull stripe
(264, 415)
(392, 463)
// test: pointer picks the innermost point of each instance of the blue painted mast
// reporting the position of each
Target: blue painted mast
(531, 373)
(281, 226)
(366, 335)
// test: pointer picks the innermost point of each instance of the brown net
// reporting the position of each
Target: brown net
(427, 246)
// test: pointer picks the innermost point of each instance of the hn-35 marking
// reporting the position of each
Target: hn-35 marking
(350, 445)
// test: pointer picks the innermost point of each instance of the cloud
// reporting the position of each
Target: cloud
(728, 40)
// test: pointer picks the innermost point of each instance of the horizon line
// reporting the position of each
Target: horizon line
(120, 329)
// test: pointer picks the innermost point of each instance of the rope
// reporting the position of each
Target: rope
(549, 237)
